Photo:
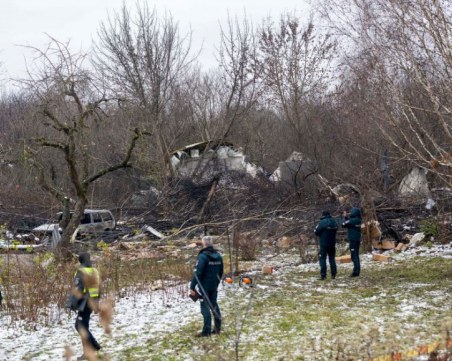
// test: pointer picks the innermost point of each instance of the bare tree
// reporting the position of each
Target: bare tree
(296, 64)
(206, 106)
(68, 105)
(238, 72)
(409, 45)
(145, 59)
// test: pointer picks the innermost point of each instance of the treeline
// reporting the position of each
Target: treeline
(365, 85)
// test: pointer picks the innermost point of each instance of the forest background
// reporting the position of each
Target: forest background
(363, 89)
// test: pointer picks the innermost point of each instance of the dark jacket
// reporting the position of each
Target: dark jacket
(208, 270)
(353, 225)
(326, 230)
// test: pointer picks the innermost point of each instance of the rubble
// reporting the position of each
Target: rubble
(267, 270)
(401, 247)
(384, 244)
(381, 257)
(415, 184)
(344, 259)
(204, 160)
(416, 239)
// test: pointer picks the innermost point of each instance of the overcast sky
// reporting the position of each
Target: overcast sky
(25, 22)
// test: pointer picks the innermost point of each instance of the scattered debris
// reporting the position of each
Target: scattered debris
(415, 184)
(384, 244)
(344, 259)
(206, 159)
(153, 231)
(401, 247)
(416, 239)
(346, 193)
(381, 257)
(371, 230)
(294, 169)
(15, 246)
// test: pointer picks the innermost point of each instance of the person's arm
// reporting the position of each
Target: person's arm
(318, 230)
(198, 272)
(344, 221)
(78, 282)
(221, 269)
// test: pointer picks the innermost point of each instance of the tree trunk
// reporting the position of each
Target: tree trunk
(74, 222)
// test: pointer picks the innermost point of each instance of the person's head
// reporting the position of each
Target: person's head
(207, 241)
(84, 258)
(326, 214)
(355, 212)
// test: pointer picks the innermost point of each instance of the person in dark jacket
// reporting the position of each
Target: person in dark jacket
(326, 230)
(206, 277)
(353, 224)
(86, 292)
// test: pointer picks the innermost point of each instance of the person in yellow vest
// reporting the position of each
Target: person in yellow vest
(86, 292)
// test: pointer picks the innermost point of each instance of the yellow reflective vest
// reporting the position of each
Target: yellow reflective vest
(90, 280)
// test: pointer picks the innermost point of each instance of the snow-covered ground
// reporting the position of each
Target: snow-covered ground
(139, 317)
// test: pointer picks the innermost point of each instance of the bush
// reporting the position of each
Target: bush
(429, 227)
(249, 245)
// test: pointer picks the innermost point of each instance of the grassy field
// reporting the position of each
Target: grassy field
(291, 315)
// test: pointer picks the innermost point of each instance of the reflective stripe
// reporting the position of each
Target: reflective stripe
(91, 272)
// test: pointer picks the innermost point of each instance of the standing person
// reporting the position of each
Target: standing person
(86, 292)
(326, 230)
(207, 275)
(353, 224)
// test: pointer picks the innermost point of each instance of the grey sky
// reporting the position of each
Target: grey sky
(25, 22)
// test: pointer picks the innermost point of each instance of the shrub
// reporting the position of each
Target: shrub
(429, 227)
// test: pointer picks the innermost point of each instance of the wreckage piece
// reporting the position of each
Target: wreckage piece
(298, 172)
(381, 257)
(10, 246)
(346, 193)
(415, 184)
(385, 244)
(344, 259)
(210, 158)
(371, 231)
(401, 247)
(153, 231)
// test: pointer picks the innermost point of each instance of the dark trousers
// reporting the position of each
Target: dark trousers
(82, 323)
(354, 253)
(329, 251)
(209, 306)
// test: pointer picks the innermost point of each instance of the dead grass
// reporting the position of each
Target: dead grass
(296, 317)
(36, 286)
(293, 316)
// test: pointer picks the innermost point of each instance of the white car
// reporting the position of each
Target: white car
(93, 221)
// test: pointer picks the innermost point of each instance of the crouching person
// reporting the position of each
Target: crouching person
(206, 277)
(85, 300)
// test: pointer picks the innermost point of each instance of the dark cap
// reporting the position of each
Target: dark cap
(84, 258)
(326, 213)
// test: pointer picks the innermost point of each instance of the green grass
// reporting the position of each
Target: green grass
(296, 317)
